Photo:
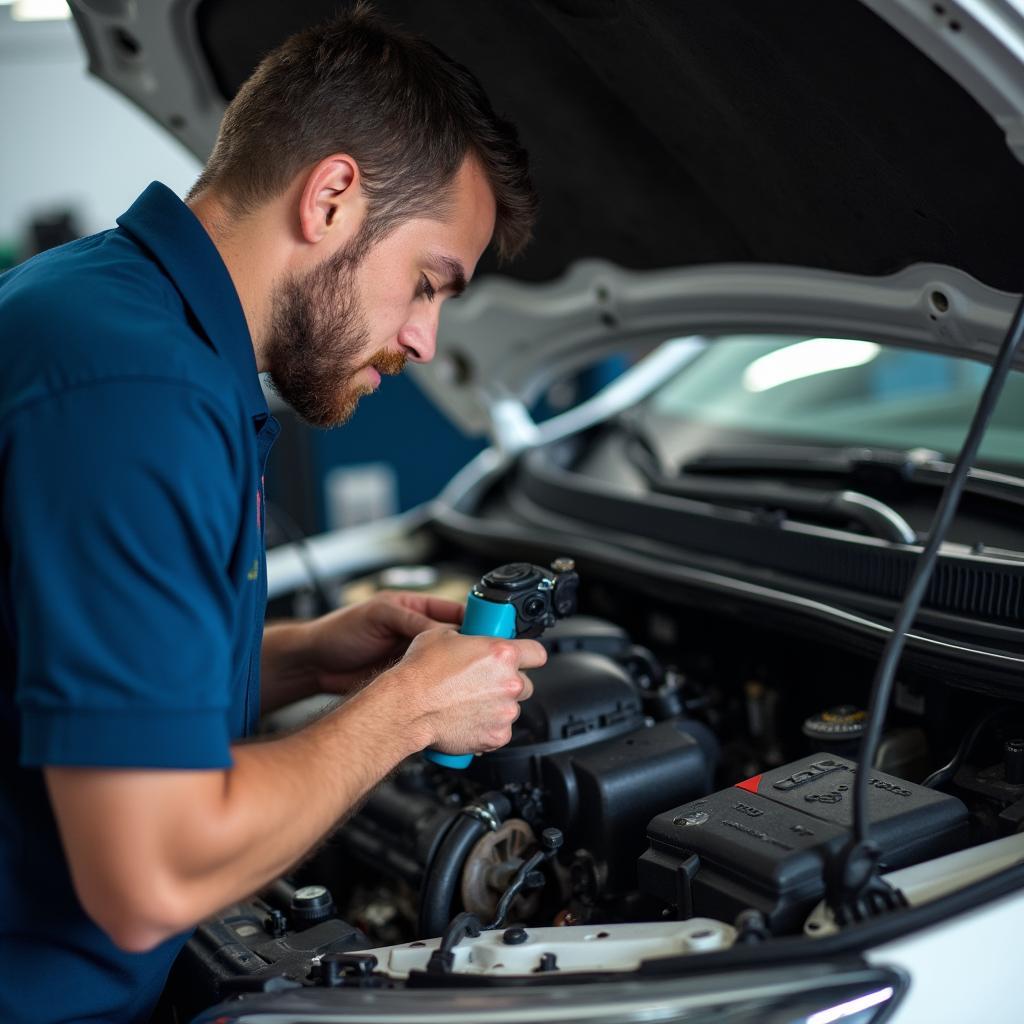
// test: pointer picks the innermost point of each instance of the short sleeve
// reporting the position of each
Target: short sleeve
(120, 515)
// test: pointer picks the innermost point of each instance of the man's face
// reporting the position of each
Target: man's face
(365, 310)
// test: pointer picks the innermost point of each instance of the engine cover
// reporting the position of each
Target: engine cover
(580, 698)
(584, 742)
(765, 842)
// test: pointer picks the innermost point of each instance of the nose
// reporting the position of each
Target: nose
(418, 336)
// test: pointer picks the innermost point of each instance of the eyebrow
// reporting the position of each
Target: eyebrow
(452, 270)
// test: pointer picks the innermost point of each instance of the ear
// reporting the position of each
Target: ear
(331, 201)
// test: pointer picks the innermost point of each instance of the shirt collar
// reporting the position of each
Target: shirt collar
(173, 235)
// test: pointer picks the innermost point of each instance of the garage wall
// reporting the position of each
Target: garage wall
(66, 139)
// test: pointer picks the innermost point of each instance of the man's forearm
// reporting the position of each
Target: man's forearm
(286, 674)
(201, 840)
(269, 816)
(153, 851)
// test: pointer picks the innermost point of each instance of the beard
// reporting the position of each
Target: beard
(318, 339)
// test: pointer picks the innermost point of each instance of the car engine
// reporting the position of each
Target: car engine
(668, 788)
(595, 754)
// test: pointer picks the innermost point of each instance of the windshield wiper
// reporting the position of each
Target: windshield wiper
(839, 507)
(803, 458)
(835, 506)
(916, 466)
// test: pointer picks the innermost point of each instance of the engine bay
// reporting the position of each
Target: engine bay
(680, 783)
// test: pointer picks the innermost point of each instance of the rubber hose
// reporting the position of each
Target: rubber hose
(279, 894)
(441, 879)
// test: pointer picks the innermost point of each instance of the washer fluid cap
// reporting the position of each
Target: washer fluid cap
(843, 723)
(310, 905)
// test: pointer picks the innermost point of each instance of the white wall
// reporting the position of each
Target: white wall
(69, 139)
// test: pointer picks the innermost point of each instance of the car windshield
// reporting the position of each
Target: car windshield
(840, 391)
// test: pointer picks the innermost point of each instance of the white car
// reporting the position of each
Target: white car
(802, 223)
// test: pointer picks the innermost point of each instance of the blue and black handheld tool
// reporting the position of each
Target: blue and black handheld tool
(517, 601)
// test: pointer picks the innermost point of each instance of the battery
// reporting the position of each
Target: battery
(765, 842)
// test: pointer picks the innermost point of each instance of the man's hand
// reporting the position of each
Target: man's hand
(335, 653)
(351, 644)
(463, 692)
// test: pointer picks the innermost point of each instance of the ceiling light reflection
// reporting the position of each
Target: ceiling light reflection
(806, 359)
(39, 10)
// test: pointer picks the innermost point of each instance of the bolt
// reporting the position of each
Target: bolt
(551, 838)
(548, 962)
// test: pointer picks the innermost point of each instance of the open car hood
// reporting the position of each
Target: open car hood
(856, 138)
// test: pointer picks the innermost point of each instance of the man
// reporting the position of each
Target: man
(357, 178)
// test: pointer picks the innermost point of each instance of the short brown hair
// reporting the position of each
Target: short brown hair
(408, 115)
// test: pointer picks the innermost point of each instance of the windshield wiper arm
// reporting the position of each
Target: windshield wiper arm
(840, 507)
(801, 458)
(916, 466)
(837, 506)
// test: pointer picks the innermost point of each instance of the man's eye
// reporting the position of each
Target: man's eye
(427, 289)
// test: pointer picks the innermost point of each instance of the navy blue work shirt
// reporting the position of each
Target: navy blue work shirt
(133, 435)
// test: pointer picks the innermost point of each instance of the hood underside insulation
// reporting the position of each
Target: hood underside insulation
(668, 133)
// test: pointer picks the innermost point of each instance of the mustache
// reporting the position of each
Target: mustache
(388, 362)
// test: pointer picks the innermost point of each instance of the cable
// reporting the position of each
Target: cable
(528, 877)
(441, 878)
(942, 775)
(442, 960)
(463, 925)
(856, 888)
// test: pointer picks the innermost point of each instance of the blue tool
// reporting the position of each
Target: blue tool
(516, 601)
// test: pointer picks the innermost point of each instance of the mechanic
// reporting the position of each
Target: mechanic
(358, 176)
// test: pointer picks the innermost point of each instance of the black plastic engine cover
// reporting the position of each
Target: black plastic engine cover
(764, 843)
(584, 741)
(580, 698)
(582, 692)
(234, 950)
(606, 792)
